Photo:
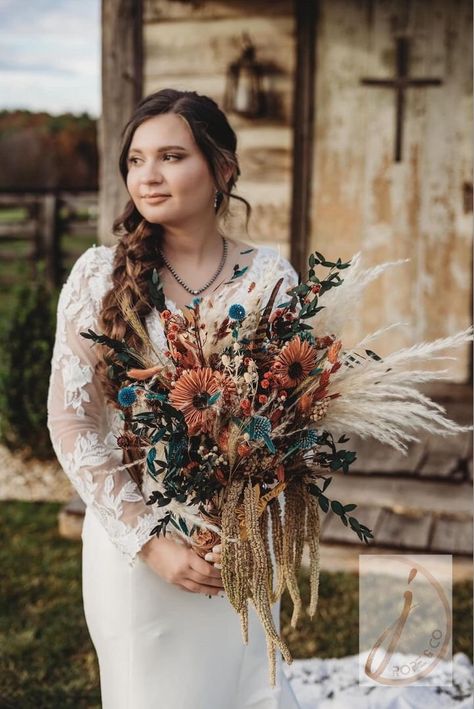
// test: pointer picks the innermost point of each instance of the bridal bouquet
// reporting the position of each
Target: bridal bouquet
(242, 417)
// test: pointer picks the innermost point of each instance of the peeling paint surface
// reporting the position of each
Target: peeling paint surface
(414, 209)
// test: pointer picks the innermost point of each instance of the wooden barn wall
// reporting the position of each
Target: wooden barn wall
(189, 47)
(418, 209)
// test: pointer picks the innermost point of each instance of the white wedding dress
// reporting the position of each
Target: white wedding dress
(158, 647)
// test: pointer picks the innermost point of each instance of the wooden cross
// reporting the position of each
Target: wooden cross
(401, 82)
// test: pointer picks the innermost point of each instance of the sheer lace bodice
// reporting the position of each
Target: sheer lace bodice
(83, 427)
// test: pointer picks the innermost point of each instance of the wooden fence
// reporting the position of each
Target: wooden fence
(57, 225)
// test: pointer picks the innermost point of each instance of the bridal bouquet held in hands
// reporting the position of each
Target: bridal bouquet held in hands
(244, 416)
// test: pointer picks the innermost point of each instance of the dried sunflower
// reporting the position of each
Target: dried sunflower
(294, 363)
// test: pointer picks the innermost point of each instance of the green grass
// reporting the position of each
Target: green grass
(13, 214)
(46, 656)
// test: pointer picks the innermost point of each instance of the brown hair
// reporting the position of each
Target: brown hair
(137, 252)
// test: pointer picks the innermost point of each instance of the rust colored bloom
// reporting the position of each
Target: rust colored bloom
(304, 403)
(280, 473)
(333, 351)
(223, 440)
(203, 540)
(191, 396)
(245, 405)
(295, 362)
(244, 449)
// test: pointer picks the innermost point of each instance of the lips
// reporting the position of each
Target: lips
(156, 198)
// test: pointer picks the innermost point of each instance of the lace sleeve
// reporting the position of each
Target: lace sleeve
(77, 420)
(290, 279)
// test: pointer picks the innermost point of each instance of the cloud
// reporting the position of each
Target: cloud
(50, 55)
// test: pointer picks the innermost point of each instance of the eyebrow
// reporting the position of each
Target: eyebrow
(159, 150)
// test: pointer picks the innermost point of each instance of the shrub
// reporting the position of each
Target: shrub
(26, 347)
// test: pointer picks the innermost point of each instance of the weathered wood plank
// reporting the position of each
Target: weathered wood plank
(335, 531)
(213, 85)
(374, 457)
(121, 90)
(345, 557)
(169, 10)
(446, 457)
(402, 494)
(176, 48)
(268, 223)
(17, 231)
(452, 536)
(406, 531)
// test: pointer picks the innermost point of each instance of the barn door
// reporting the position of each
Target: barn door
(392, 159)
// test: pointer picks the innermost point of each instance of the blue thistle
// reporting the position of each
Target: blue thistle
(262, 426)
(237, 311)
(309, 439)
(127, 396)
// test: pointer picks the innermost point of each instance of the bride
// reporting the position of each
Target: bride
(164, 632)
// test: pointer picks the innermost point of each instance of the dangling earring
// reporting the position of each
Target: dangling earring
(216, 198)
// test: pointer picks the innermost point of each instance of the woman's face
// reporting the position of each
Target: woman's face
(179, 172)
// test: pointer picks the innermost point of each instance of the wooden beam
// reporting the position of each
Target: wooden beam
(122, 86)
(303, 122)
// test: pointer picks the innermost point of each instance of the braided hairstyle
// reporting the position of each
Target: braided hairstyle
(137, 252)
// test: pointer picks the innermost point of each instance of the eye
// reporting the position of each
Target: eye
(131, 161)
(170, 155)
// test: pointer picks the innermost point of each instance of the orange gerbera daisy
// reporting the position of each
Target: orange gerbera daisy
(295, 362)
(191, 395)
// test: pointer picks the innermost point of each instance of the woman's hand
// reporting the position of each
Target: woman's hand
(180, 565)
(215, 556)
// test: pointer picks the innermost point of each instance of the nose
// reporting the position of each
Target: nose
(151, 173)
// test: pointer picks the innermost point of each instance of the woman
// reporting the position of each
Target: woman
(164, 632)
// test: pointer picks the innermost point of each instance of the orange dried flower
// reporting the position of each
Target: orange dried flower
(223, 440)
(244, 449)
(191, 395)
(280, 472)
(304, 403)
(333, 351)
(142, 374)
(295, 362)
(203, 540)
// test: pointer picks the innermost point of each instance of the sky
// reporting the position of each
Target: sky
(50, 56)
